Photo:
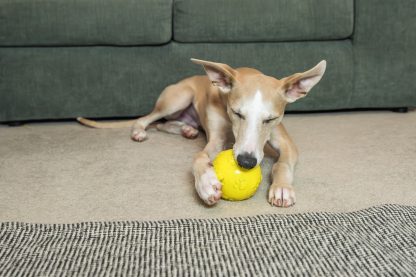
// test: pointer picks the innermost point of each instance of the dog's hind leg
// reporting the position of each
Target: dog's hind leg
(179, 128)
(171, 127)
(173, 99)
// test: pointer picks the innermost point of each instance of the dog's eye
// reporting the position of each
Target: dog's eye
(238, 114)
(266, 121)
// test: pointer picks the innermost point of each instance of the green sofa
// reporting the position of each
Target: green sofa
(109, 58)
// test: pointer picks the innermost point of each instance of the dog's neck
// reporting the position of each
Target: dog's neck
(223, 98)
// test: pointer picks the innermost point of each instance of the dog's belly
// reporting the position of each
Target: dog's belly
(188, 116)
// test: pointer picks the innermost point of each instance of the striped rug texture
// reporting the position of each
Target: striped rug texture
(379, 241)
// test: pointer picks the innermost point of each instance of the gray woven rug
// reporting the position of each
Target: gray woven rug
(379, 241)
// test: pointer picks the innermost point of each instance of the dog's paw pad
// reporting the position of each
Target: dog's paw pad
(138, 136)
(189, 132)
(282, 196)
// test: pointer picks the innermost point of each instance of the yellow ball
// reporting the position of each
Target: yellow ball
(237, 183)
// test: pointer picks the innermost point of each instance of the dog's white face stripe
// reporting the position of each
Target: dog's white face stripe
(255, 110)
(252, 110)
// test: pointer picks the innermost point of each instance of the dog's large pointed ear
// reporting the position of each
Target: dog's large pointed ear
(221, 75)
(298, 85)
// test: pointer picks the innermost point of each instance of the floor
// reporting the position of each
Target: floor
(62, 172)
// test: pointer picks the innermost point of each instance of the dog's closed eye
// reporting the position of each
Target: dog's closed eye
(239, 115)
(269, 120)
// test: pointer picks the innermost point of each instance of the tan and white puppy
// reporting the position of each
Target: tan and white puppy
(240, 104)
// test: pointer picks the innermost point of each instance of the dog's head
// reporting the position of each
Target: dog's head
(256, 103)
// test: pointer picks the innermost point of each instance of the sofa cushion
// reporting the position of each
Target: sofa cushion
(81, 22)
(106, 81)
(262, 20)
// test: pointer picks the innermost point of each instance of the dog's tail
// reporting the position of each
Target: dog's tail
(105, 125)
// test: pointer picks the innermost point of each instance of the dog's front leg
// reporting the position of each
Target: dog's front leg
(281, 192)
(207, 184)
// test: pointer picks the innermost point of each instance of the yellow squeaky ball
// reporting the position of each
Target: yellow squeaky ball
(237, 183)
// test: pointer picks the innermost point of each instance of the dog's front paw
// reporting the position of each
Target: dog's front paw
(282, 196)
(209, 187)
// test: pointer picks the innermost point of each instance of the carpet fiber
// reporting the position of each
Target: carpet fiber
(371, 242)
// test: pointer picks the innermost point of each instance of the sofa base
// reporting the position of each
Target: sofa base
(15, 123)
(400, 110)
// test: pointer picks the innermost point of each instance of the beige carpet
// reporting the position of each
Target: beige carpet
(64, 172)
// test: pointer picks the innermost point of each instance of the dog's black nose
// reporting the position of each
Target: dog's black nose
(246, 161)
